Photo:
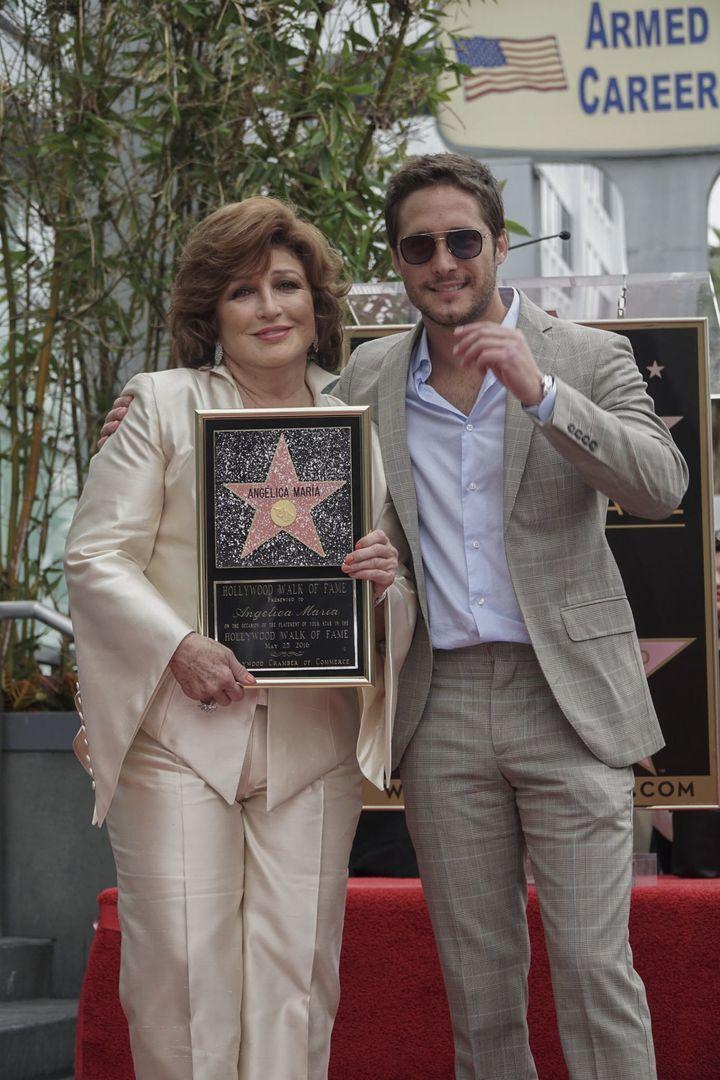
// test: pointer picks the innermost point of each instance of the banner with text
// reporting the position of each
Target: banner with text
(584, 79)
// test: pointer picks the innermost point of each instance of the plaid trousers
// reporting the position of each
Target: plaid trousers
(492, 769)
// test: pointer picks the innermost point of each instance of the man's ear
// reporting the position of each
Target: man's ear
(396, 261)
(501, 248)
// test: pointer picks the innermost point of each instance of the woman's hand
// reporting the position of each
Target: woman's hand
(119, 408)
(208, 671)
(374, 559)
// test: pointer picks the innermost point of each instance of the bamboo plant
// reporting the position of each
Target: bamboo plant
(123, 122)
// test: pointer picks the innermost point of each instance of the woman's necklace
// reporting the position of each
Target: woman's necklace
(302, 398)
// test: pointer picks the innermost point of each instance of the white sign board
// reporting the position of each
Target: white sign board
(583, 78)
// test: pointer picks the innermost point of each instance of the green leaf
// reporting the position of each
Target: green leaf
(513, 227)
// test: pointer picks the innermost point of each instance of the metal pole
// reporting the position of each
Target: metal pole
(32, 609)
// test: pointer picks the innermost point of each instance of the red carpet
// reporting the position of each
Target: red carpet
(393, 1022)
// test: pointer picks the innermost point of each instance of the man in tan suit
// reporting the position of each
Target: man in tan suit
(523, 703)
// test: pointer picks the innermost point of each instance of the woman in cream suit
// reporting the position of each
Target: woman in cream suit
(230, 809)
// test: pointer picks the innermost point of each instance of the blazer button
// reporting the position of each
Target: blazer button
(571, 429)
(592, 445)
(87, 757)
(93, 785)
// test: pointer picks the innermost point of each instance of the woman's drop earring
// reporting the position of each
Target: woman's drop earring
(218, 354)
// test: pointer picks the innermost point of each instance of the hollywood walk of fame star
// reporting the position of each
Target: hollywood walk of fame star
(282, 503)
(655, 369)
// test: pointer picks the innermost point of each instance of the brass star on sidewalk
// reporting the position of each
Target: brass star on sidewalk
(655, 369)
(282, 503)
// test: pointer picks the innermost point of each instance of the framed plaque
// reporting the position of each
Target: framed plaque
(283, 496)
(668, 568)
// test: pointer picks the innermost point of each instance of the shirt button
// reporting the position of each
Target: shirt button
(476, 543)
(472, 486)
(468, 427)
(480, 601)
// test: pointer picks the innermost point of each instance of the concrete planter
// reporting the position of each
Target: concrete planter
(53, 863)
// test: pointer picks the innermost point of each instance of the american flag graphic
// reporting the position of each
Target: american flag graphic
(501, 65)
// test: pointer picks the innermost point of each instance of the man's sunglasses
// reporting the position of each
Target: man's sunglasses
(462, 243)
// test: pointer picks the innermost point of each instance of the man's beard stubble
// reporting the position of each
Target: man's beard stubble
(476, 312)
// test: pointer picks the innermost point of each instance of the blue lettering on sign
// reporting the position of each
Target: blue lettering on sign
(674, 23)
(589, 105)
(707, 82)
(661, 92)
(637, 93)
(646, 28)
(651, 27)
(596, 29)
(683, 90)
(613, 99)
(620, 26)
(698, 25)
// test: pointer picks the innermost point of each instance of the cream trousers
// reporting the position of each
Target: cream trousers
(231, 916)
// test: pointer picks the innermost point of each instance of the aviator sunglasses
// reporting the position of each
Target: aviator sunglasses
(462, 243)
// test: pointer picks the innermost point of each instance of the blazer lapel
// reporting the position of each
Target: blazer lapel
(392, 430)
(537, 327)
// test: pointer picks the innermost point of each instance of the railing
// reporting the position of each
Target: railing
(32, 609)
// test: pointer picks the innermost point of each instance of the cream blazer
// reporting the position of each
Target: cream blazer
(131, 569)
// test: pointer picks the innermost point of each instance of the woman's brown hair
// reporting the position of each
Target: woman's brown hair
(237, 240)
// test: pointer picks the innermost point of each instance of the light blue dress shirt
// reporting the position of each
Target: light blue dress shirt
(457, 464)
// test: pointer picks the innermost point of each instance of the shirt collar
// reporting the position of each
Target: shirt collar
(421, 364)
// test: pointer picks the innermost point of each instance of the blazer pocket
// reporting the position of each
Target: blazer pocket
(598, 618)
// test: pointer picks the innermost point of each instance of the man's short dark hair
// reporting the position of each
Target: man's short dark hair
(427, 170)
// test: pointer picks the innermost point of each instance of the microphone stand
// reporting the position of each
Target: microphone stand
(564, 235)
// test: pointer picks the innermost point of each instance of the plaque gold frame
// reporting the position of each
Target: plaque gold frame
(366, 613)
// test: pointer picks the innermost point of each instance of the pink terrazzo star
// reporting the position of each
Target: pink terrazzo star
(282, 503)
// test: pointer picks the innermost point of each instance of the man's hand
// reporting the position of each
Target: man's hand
(112, 421)
(374, 559)
(208, 671)
(506, 353)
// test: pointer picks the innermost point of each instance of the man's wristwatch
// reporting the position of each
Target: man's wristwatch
(546, 384)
